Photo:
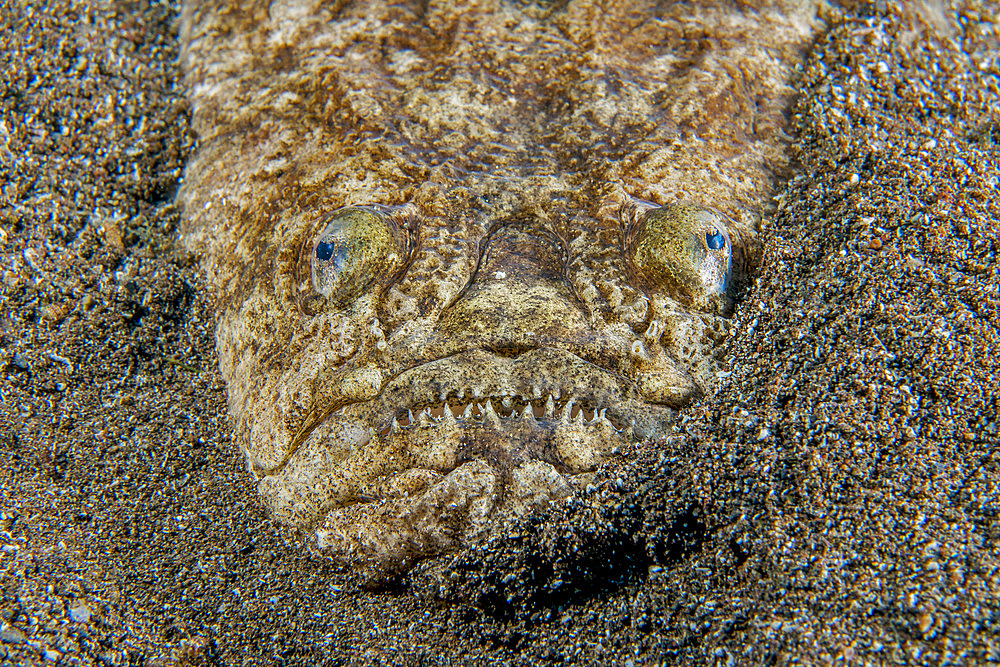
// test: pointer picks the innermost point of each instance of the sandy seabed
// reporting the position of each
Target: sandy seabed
(836, 501)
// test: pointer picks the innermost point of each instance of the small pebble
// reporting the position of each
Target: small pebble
(11, 635)
(80, 614)
(925, 621)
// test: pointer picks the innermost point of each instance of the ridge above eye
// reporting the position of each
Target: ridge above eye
(358, 246)
(681, 249)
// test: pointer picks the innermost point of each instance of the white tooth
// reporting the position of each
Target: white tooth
(477, 392)
(449, 416)
(579, 419)
(468, 411)
(490, 416)
(600, 415)
(528, 415)
(567, 412)
(425, 418)
(409, 414)
(550, 407)
(395, 426)
(443, 395)
(557, 393)
(507, 402)
(654, 328)
(536, 392)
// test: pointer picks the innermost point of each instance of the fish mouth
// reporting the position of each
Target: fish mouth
(537, 390)
(501, 408)
(428, 463)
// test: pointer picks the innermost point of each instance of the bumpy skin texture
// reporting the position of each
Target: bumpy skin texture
(519, 151)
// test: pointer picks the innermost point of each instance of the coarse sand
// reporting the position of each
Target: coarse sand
(836, 501)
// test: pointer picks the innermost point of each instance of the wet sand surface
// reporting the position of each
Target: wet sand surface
(836, 501)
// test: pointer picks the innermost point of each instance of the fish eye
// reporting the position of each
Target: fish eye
(359, 246)
(715, 240)
(325, 250)
(680, 249)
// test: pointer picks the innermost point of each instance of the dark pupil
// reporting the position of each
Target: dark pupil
(325, 250)
(715, 241)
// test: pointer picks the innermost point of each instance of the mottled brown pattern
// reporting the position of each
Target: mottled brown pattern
(523, 139)
(861, 529)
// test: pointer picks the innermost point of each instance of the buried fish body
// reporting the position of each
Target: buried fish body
(465, 254)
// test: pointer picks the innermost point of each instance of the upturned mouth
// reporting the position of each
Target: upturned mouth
(538, 389)
(458, 437)
(495, 410)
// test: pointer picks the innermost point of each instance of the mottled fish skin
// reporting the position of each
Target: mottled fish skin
(512, 319)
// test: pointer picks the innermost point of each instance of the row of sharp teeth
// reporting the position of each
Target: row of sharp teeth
(505, 408)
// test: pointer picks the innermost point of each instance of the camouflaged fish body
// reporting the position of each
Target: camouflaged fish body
(465, 253)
